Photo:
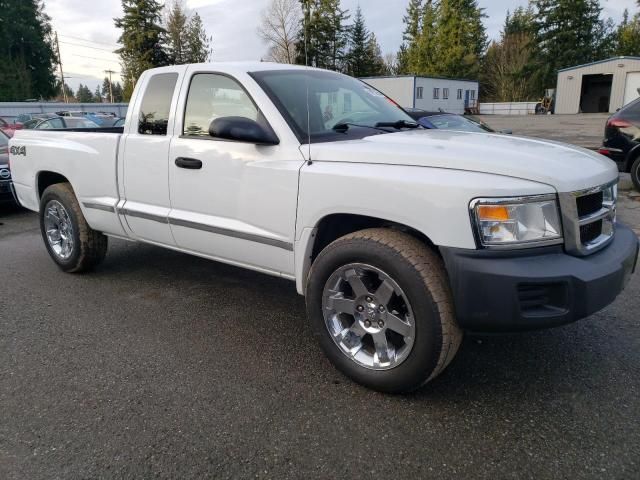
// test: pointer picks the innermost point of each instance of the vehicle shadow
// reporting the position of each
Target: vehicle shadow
(10, 209)
(557, 363)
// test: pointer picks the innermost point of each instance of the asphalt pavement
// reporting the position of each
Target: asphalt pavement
(163, 365)
(585, 130)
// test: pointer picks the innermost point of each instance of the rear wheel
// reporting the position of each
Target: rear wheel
(380, 304)
(635, 173)
(70, 241)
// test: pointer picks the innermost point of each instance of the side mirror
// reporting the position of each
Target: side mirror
(242, 129)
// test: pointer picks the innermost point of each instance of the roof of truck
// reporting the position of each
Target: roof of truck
(246, 67)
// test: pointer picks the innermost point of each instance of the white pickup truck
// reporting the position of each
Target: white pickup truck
(400, 238)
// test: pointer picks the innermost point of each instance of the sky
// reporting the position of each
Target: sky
(88, 36)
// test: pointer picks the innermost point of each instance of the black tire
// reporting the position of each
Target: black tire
(420, 273)
(635, 173)
(89, 246)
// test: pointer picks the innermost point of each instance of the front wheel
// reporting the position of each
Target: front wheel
(380, 304)
(70, 241)
(635, 173)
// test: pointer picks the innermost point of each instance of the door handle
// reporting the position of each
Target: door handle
(188, 163)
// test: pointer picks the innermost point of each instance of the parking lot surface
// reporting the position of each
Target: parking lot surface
(585, 130)
(162, 365)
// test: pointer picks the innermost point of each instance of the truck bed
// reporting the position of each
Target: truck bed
(86, 158)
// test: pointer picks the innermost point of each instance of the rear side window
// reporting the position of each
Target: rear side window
(156, 103)
(213, 96)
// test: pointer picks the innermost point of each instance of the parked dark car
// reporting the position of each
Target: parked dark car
(622, 140)
(449, 121)
(6, 196)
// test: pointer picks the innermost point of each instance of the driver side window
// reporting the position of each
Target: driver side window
(213, 96)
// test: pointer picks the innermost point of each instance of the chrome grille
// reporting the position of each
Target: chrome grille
(589, 218)
(588, 204)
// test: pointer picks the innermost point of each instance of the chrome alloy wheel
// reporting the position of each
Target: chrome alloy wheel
(368, 316)
(59, 229)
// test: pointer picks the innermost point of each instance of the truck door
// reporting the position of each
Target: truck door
(231, 201)
(146, 156)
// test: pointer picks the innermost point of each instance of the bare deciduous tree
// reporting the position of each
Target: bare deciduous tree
(507, 78)
(279, 29)
(391, 64)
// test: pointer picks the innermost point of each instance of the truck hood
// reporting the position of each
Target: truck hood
(565, 167)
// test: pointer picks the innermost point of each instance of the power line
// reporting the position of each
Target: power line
(88, 41)
(95, 58)
(86, 46)
(80, 75)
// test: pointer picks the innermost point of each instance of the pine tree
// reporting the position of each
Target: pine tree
(627, 35)
(83, 94)
(176, 26)
(198, 42)
(426, 50)
(118, 95)
(569, 32)
(105, 92)
(357, 57)
(97, 95)
(325, 33)
(142, 40)
(460, 39)
(187, 39)
(363, 58)
(26, 52)
(377, 63)
(409, 50)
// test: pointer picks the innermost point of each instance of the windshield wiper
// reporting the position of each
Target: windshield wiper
(398, 125)
(344, 126)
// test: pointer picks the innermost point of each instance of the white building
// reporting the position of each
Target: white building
(603, 86)
(428, 93)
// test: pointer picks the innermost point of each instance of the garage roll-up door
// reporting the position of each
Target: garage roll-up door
(631, 87)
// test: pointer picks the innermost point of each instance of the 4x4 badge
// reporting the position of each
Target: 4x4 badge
(17, 150)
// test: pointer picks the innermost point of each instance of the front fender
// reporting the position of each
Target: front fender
(432, 201)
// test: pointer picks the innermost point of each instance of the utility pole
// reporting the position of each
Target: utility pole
(110, 83)
(64, 90)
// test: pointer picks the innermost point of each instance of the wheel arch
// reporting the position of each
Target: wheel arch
(46, 178)
(632, 156)
(335, 225)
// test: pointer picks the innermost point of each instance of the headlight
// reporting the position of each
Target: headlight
(517, 221)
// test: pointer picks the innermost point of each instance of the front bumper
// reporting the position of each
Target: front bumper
(538, 288)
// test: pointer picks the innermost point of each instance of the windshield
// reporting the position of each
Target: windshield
(334, 99)
(454, 122)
